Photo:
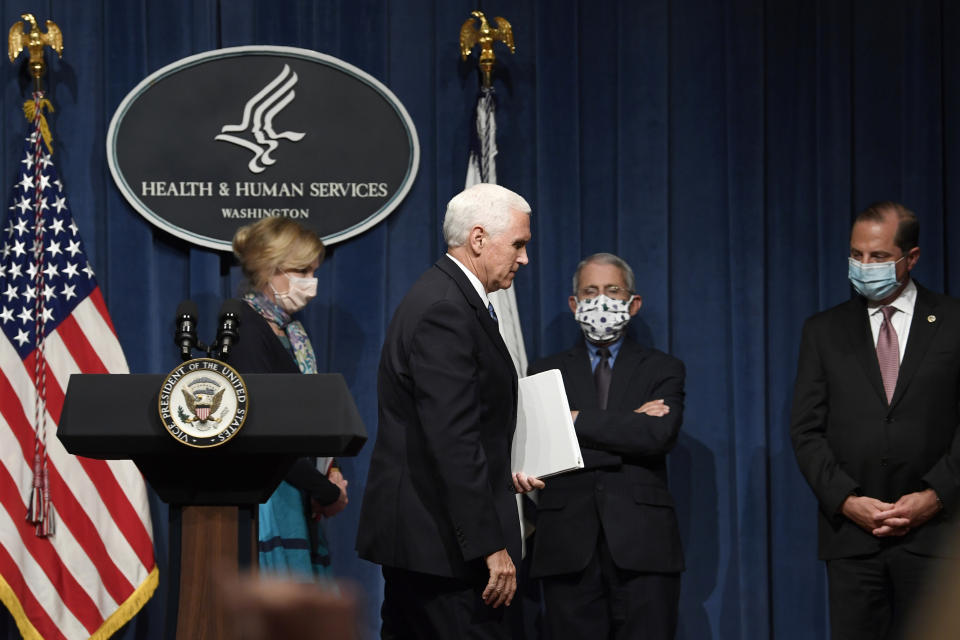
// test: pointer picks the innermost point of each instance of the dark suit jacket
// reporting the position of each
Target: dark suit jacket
(439, 492)
(623, 485)
(848, 440)
(259, 350)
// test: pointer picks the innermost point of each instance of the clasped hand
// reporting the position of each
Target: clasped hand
(332, 509)
(884, 519)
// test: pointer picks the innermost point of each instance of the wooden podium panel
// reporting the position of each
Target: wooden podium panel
(209, 550)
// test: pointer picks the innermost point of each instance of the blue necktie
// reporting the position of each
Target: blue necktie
(493, 314)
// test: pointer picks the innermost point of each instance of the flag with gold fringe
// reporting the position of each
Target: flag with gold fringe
(76, 539)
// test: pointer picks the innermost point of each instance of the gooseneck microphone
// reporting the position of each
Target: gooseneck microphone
(228, 332)
(186, 324)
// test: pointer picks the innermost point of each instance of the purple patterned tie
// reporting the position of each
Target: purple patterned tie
(888, 353)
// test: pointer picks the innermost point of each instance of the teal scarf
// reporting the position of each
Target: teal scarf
(300, 345)
(291, 543)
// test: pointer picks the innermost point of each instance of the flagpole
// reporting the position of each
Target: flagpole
(482, 167)
(39, 507)
(92, 574)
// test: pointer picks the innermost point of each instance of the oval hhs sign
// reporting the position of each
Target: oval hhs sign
(221, 139)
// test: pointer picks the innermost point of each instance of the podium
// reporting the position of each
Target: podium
(213, 493)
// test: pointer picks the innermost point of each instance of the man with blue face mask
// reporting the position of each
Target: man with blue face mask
(875, 428)
(607, 544)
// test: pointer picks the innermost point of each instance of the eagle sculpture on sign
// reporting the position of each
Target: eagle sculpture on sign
(485, 36)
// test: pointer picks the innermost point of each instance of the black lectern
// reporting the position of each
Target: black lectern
(212, 493)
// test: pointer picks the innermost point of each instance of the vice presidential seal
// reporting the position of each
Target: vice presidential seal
(203, 402)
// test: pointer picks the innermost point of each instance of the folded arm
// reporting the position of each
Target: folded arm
(649, 429)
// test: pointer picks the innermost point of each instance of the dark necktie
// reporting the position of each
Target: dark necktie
(493, 313)
(888, 352)
(602, 375)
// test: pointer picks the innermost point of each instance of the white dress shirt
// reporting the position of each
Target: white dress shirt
(475, 281)
(904, 304)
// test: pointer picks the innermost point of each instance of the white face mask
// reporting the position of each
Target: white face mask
(296, 297)
(603, 319)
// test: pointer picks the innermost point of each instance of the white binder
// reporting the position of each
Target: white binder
(545, 442)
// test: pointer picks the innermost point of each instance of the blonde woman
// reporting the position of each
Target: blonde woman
(279, 258)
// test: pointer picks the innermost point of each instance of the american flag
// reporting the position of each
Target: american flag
(76, 540)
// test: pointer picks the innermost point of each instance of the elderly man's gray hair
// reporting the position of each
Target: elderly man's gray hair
(604, 258)
(485, 205)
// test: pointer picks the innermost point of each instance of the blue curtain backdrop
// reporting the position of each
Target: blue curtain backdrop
(720, 147)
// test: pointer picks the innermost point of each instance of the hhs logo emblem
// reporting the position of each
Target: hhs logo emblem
(257, 121)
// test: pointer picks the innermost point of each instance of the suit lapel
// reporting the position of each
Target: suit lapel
(578, 375)
(921, 334)
(578, 378)
(630, 356)
(857, 325)
(489, 325)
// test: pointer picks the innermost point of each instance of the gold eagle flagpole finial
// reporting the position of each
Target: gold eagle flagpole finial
(485, 36)
(34, 42)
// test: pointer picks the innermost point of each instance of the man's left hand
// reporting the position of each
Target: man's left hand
(916, 508)
(524, 483)
(503, 579)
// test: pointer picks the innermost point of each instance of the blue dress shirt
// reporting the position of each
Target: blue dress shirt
(595, 357)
